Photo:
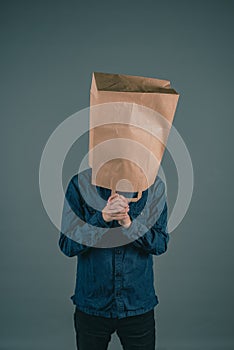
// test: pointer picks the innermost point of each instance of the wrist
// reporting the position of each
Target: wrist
(104, 216)
(127, 225)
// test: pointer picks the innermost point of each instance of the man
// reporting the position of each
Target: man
(114, 281)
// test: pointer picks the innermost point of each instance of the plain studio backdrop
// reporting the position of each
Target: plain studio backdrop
(48, 51)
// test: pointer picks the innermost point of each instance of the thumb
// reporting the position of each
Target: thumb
(115, 195)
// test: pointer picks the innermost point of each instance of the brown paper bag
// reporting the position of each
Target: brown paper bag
(130, 119)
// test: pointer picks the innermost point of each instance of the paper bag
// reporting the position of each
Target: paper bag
(130, 119)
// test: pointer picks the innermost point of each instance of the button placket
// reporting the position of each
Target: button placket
(118, 259)
(118, 278)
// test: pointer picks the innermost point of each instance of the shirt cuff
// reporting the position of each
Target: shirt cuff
(97, 220)
(135, 230)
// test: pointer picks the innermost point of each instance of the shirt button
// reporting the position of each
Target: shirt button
(118, 251)
(118, 293)
(118, 273)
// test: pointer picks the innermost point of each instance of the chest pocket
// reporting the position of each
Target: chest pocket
(139, 211)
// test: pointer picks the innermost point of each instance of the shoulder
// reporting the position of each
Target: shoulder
(77, 185)
(159, 186)
(82, 178)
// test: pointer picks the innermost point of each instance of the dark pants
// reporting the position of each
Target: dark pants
(134, 332)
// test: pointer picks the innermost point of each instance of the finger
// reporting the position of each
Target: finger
(123, 198)
(118, 207)
(113, 199)
(119, 197)
(119, 217)
(118, 210)
(113, 196)
(119, 200)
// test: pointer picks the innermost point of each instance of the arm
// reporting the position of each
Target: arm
(78, 236)
(155, 239)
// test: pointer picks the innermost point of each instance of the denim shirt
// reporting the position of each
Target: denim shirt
(114, 264)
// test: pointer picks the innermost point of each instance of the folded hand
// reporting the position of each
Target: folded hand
(117, 209)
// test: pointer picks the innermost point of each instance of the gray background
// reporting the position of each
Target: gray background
(48, 52)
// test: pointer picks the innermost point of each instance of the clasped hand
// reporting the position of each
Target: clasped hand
(117, 208)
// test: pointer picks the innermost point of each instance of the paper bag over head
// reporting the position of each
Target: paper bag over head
(130, 120)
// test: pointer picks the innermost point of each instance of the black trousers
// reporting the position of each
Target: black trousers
(134, 332)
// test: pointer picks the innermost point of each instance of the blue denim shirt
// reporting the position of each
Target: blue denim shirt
(114, 264)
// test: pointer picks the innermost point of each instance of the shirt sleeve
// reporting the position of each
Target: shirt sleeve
(152, 240)
(76, 235)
